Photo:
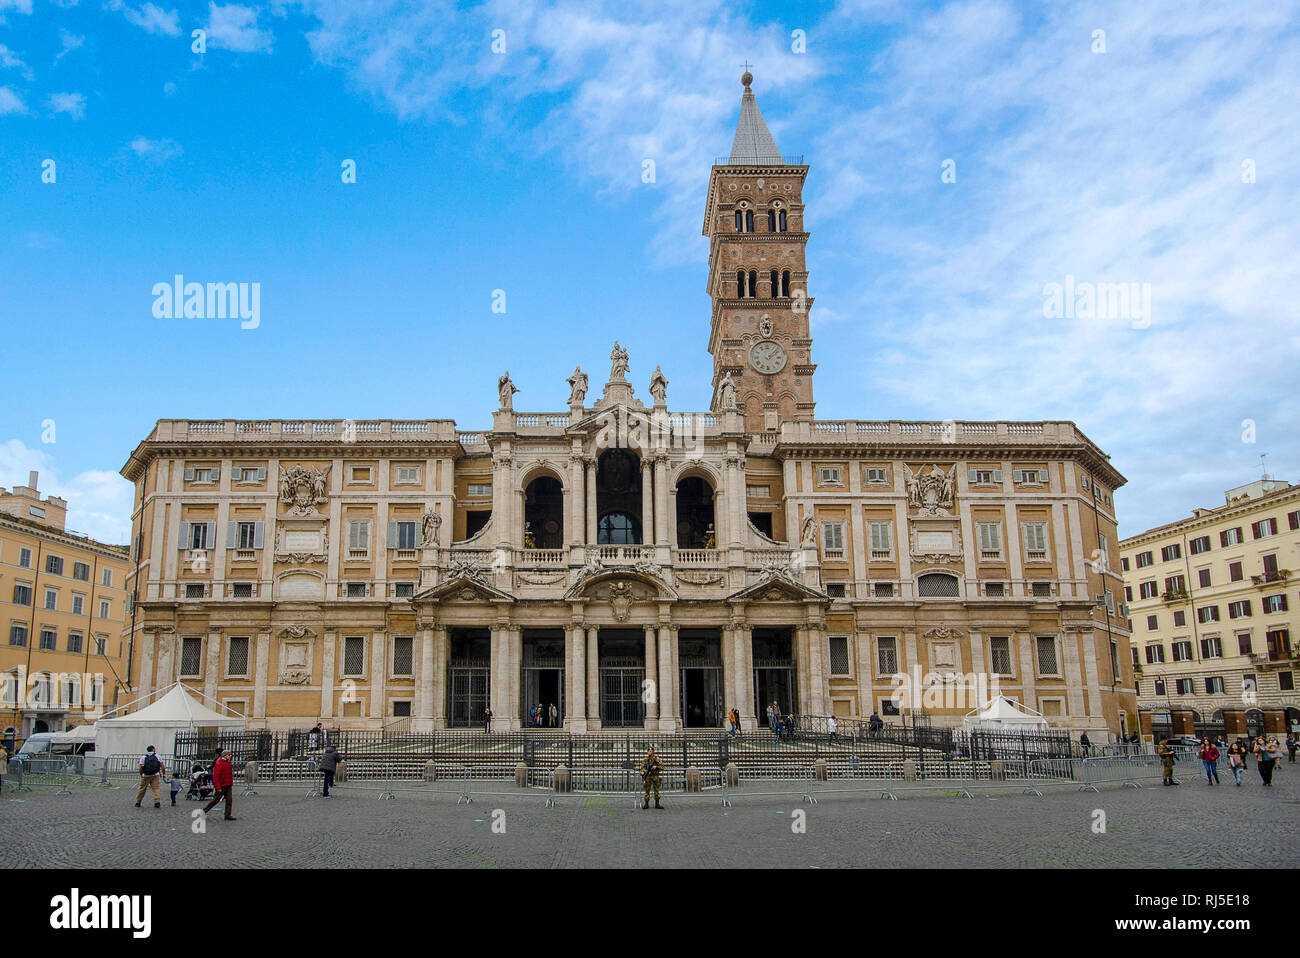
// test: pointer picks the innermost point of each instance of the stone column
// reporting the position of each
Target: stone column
(745, 675)
(438, 676)
(211, 670)
(803, 674)
(663, 516)
(649, 521)
(1091, 678)
(328, 644)
(378, 675)
(817, 670)
(146, 660)
(424, 687)
(668, 717)
(652, 675)
(259, 681)
(575, 705)
(593, 680)
(498, 697)
(591, 502)
(1028, 670)
(576, 510)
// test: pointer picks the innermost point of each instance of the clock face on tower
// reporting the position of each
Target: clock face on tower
(767, 357)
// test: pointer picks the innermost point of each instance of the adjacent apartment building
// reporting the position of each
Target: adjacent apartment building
(63, 601)
(1213, 602)
(634, 564)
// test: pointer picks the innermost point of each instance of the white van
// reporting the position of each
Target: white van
(52, 751)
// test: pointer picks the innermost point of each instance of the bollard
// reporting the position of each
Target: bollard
(692, 779)
(250, 777)
(430, 771)
(521, 775)
(819, 769)
(998, 770)
(560, 779)
(909, 770)
(341, 772)
(733, 775)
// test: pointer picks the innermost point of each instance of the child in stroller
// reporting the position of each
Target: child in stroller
(200, 783)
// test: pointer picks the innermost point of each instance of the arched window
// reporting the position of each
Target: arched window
(740, 222)
(937, 584)
(785, 284)
(749, 221)
(618, 529)
(771, 221)
(753, 283)
(740, 283)
(776, 287)
(780, 221)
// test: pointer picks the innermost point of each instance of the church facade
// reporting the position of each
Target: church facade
(631, 564)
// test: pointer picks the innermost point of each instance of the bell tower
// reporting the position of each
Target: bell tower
(758, 278)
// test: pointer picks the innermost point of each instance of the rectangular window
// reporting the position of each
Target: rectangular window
(404, 590)
(49, 639)
(1147, 590)
(758, 492)
(246, 536)
(18, 635)
(1155, 654)
(990, 539)
(401, 709)
(839, 648)
(1214, 685)
(478, 490)
(994, 590)
(1042, 590)
(402, 645)
(191, 655)
(354, 655)
(1180, 618)
(105, 607)
(1239, 609)
(74, 641)
(1160, 687)
(1293, 520)
(237, 656)
(24, 558)
(1182, 651)
(1128, 593)
(1047, 655)
(101, 645)
(408, 474)
(1286, 681)
(356, 590)
(106, 578)
(360, 474)
(1152, 623)
(836, 590)
(22, 594)
(241, 590)
(358, 538)
(1123, 563)
(876, 476)
(1207, 613)
(1183, 686)
(1199, 544)
(1035, 535)
(81, 570)
(887, 655)
(1211, 647)
(883, 590)
(1144, 559)
(1243, 643)
(1170, 553)
(1175, 585)
(1234, 572)
(200, 537)
(405, 535)
(833, 536)
(830, 476)
(1270, 564)
(78, 604)
(1000, 654)
(52, 599)
(1203, 578)
(882, 540)
(1230, 537)
(1274, 603)
(1264, 528)
(983, 477)
(54, 565)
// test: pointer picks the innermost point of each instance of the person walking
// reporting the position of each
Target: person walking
(1210, 758)
(1266, 754)
(833, 728)
(329, 764)
(1291, 745)
(223, 785)
(1236, 761)
(487, 718)
(150, 777)
(651, 768)
(771, 716)
(313, 738)
(1167, 757)
(789, 728)
(555, 715)
(175, 784)
(1086, 744)
(875, 723)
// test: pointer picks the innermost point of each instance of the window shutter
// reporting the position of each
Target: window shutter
(216, 473)
(184, 538)
(259, 530)
(261, 473)
(970, 475)
(1018, 475)
(997, 475)
(232, 531)
(189, 474)
(212, 535)
(392, 535)
(352, 535)
(1223, 539)
(365, 534)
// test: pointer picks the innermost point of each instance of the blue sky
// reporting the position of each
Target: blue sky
(522, 171)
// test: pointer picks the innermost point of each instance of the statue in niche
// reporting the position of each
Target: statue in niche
(432, 523)
(727, 393)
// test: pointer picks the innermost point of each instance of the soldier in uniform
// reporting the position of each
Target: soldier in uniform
(1167, 757)
(650, 769)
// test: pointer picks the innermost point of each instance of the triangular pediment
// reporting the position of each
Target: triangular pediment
(774, 587)
(463, 588)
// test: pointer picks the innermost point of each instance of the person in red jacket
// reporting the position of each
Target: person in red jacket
(223, 784)
(1210, 758)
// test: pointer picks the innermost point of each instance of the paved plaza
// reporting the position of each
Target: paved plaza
(1192, 826)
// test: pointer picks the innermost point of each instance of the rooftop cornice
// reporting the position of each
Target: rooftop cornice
(64, 538)
(1214, 516)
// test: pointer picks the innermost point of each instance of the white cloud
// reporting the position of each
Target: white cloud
(99, 502)
(69, 41)
(149, 17)
(9, 61)
(155, 151)
(74, 104)
(234, 27)
(10, 102)
(20, 6)
(169, 88)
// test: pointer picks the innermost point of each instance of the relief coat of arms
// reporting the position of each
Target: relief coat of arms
(303, 488)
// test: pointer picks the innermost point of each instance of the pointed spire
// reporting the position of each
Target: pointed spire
(753, 144)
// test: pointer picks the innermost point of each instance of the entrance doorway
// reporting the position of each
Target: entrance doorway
(467, 677)
(699, 654)
(774, 672)
(543, 676)
(621, 658)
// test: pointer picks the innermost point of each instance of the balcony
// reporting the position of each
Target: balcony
(1281, 575)
(1178, 595)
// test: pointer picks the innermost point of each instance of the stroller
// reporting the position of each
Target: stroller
(200, 783)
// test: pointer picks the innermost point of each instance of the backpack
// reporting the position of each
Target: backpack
(151, 764)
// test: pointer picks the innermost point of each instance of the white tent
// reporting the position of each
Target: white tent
(1002, 713)
(157, 724)
(81, 735)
